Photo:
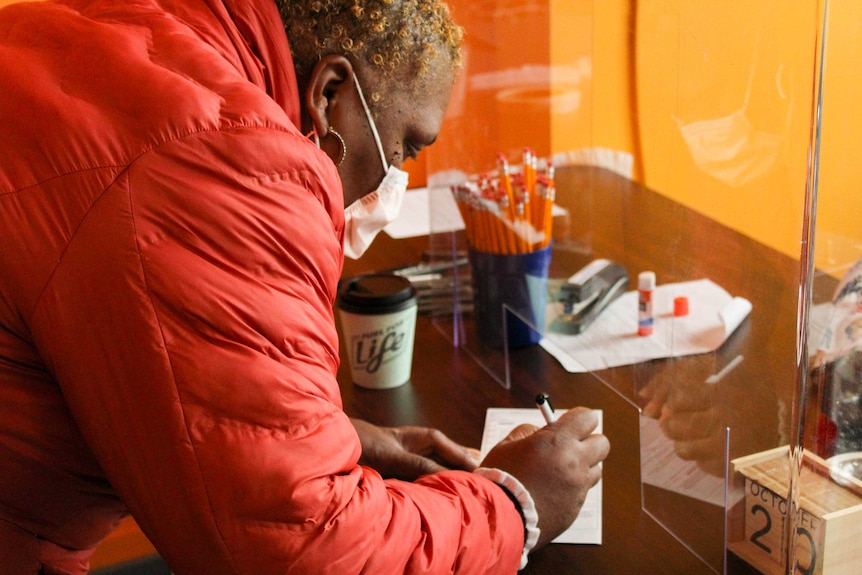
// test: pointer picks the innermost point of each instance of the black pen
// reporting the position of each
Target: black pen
(543, 402)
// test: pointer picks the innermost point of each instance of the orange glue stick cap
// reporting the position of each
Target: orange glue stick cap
(680, 306)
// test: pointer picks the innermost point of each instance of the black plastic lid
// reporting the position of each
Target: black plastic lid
(375, 293)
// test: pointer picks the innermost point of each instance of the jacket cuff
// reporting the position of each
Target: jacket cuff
(523, 503)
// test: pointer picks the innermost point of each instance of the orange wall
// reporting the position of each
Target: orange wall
(724, 107)
(590, 47)
(638, 77)
(707, 60)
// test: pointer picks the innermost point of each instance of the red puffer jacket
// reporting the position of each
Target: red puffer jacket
(170, 247)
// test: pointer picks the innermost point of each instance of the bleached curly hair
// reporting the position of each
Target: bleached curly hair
(401, 39)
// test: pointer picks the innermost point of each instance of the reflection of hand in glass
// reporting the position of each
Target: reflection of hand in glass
(688, 411)
(694, 414)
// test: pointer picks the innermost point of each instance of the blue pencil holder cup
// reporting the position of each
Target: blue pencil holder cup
(518, 281)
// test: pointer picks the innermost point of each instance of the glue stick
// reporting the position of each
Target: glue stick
(646, 285)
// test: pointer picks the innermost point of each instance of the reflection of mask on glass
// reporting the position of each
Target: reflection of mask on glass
(364, 218)
(730, 149)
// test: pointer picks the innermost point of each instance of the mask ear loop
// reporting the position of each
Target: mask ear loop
(371, 122)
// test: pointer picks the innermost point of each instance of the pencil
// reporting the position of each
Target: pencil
(508, 212)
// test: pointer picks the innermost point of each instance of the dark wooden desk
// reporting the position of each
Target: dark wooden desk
(614, 218)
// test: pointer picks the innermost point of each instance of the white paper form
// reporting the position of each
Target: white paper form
(612, 339)
(427, 210)
(424, 210)
(587, 528)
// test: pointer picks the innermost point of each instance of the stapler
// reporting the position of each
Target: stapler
(587, 293)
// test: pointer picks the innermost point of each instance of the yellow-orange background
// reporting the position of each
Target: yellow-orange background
(626, 77)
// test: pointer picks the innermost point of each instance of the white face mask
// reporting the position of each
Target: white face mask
(364, 218)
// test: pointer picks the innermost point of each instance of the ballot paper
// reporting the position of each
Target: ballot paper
(499, 421)
(612, 340)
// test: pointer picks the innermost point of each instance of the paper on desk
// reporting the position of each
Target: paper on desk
(612, 339)
(425, 209)
(431, 209)
(587, 528)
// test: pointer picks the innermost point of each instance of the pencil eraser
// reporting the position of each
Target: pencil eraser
(680, 306)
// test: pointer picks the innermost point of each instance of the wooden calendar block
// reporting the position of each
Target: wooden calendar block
(828, 521)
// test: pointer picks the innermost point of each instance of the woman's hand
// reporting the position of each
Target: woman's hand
(557, 464)
(409, 452)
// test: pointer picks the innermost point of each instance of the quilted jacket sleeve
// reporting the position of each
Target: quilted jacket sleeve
(197, 297)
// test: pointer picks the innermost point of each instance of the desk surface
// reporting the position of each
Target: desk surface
(614, 218)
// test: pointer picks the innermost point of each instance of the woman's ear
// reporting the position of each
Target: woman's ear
(329, 79)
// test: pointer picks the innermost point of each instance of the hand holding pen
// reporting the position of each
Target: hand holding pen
(557, 464)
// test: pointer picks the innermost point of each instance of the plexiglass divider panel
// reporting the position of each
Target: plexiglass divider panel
(688, 155)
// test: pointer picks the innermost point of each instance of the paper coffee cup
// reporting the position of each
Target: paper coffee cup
(378, 321)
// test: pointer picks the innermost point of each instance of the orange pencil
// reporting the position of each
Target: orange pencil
(504, 175)
(506, 221)
(548, 224)
(497, 233)
(520, 231)
(551, 193)
(508, 212)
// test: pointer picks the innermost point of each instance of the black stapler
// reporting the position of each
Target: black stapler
(587, 293)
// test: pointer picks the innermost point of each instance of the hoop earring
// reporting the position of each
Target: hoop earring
(340, 141)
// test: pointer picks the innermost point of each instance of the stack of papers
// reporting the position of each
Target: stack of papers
(612, 340)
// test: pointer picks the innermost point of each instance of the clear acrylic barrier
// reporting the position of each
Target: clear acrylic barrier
(697, 480)
(693, 150)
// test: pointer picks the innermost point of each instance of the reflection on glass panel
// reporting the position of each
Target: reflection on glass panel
(724, 99)
(835, 401)
(681, 136)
